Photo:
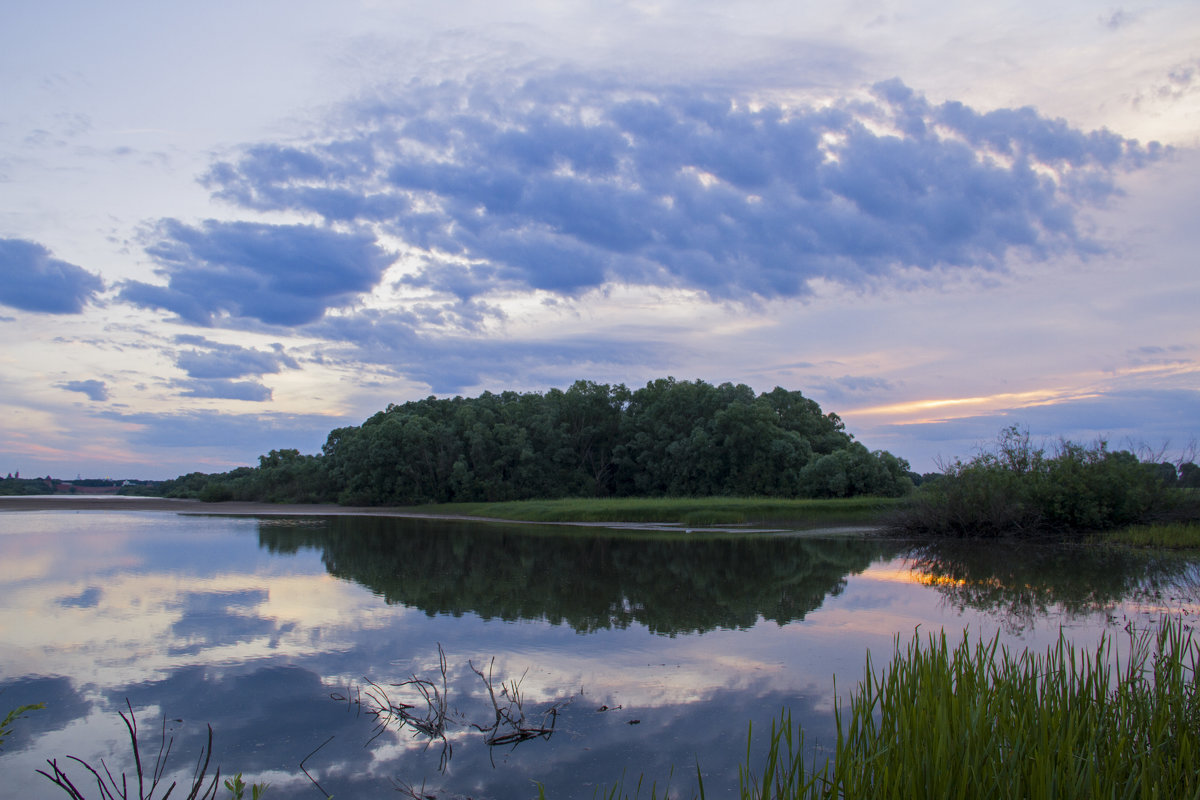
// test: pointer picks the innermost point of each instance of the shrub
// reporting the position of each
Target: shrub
(1017, 488)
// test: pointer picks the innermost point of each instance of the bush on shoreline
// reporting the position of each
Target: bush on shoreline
(1019, 489)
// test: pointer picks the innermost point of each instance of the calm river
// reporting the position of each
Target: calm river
(632, 652)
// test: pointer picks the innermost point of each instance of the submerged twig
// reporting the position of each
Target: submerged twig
(303, 769)
(110, 790)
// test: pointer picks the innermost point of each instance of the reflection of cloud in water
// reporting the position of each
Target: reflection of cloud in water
(249, 632)
(143, 624)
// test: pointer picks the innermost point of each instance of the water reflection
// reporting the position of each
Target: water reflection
(590, 581)
(1024, 581)
(253, 626)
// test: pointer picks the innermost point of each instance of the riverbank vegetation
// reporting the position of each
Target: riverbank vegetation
(1168, 536)
(796, 513)
(667, 439)
(1017, 488)
(980, 721)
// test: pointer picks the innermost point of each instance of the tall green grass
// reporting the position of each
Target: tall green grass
(679, 510)
(1172, 535)
(980, 722)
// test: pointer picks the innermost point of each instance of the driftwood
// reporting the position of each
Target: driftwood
(430, 717)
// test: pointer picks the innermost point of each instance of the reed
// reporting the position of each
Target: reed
(980, 721)
(1171, 536)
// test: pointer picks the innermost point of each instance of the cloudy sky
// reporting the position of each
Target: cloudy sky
(231, 227)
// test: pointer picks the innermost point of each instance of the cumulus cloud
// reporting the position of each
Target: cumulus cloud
(225, 361)
(277, 274)
(33, 280)
(565, 188)
(95, 390)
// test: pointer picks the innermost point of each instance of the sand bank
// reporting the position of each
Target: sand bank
(67, 502)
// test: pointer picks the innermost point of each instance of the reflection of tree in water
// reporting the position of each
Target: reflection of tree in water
(589, 580)
(1023, 580)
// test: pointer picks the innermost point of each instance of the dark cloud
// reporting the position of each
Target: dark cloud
(219, 389)
(277, 274)
(225, 361)
(95, 390)
(853, 387)
(451, 364)
(545, 187)
(32, 280)
(246, 434)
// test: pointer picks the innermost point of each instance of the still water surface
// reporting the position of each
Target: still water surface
(641, 653)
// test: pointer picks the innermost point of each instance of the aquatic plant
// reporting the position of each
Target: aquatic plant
(979, 721)
(14, 715)
(1172, 536)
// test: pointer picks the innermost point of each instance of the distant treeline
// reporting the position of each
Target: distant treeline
(16, 485)
(669, 438)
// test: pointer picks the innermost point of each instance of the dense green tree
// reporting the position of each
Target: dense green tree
(1189, 476)
(677, 438)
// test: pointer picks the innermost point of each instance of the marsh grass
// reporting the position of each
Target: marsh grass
(1172, 536)
(680, 510)
(979, 721)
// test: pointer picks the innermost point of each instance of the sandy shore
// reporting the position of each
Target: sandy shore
(67, 502)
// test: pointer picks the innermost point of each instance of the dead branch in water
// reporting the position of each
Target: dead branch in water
(112, 791)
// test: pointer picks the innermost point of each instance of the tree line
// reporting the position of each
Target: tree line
(668, 438)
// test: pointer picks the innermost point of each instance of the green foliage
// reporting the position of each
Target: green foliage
(237, 788)
(24, 486)
(981, 722)
(1018, 488)
(12, 716)
(668, 439)
(1189, 476)
(282, 476)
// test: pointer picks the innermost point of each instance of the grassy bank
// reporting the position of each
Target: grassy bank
(979, 721)
(681, 510)
(1170, 536)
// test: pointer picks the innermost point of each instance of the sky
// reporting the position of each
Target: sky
(227, 228)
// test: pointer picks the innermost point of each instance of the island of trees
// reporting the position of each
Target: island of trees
(668, 438)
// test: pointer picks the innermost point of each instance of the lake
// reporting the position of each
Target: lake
(465, 659)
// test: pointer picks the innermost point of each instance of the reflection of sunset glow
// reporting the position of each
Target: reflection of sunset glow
(892, 573)
(941, 581)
